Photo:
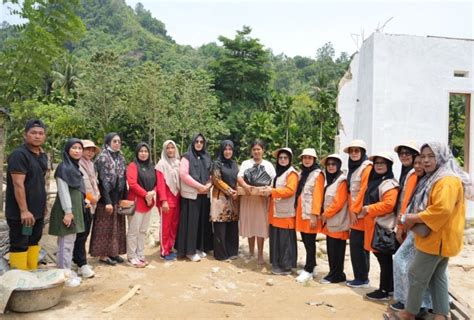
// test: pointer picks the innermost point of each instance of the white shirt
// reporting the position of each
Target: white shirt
(247, 164)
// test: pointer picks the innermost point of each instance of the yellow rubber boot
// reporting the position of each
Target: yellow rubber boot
(18, 260)
(33, 255)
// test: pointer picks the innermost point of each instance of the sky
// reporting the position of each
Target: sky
(301, 27)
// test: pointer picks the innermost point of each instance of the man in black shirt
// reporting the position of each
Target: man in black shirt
(26, 197)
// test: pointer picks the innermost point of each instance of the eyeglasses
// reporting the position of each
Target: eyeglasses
(427, 156)
(379, 163)
(199, 142)
(404, 154)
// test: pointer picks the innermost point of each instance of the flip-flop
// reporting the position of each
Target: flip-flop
(108, 261)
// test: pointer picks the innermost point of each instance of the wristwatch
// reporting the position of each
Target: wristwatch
(403, 219)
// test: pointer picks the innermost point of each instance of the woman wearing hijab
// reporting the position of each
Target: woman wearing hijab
(144, 183)
(439, 203)
(281, 214)
(405, 254)
(67, 213)
(169, 208)
(92, 196)
(379, 205)
(224, 203)
(309, 199)
(253, 222)
(108, 239)
(407, 153)
(195, 229)
(335, 218)
(357, 179)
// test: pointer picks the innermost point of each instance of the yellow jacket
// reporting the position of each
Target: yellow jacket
(445, 216)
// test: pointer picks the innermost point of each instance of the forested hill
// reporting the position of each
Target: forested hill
(105, 66)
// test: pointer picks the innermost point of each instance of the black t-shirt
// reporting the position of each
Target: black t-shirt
(33, 166)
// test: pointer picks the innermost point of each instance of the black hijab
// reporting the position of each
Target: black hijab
(68, 169)
(146, 169)
(331, 177)
(406, 169)
(372, 194)
(279, 168)
(305, 171)
(353, 165)
(228, 167)
(199, 161)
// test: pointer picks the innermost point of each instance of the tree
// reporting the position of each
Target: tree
(66, 81)
(243, 73)
(102, 92)
(27, 58)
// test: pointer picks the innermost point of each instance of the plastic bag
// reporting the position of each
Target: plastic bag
(257, 176)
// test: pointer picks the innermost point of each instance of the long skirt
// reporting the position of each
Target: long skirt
(195, 229)
(108, 233)
(226, 239)
(401, 264)
(283, 248)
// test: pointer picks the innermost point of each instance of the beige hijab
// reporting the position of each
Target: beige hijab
(170, 167)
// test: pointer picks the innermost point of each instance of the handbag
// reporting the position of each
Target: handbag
(126, 208)
(384, 240)
(257, 176)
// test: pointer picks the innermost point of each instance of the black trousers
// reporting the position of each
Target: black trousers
(226, 239)
(20, 242)
(79, 255)
(360, 257)
(386, 271)
(336, 249)
(309, 241)
(195, 229)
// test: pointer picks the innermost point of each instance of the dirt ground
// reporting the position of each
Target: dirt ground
(237, 289)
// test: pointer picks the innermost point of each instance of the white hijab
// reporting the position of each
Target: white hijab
(170, 167)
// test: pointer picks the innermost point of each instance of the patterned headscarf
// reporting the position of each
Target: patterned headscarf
(446, 165)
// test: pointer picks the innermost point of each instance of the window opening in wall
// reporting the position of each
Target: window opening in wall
(461, 74)
(459, 127)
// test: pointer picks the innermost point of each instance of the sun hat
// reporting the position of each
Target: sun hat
(331, 156)
(309, 152)
(90, 144)
(356, 143)
(277, 151)
(384, 155)
(409, 144)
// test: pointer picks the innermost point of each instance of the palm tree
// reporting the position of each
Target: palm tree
(67, 81)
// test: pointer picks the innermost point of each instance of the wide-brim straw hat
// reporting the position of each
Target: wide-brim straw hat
(277, 151)
(409, 144)
(309, 152)
(331, 156)
(356, 143)
(385, 155)
(90, 144)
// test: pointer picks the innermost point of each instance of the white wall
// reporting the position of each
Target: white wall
(400, 91)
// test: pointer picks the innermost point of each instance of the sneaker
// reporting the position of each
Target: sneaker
(304, 276)
(201, 254)
(194, 257)
(281, 272)
(397, 306)
(358, 284)
(169, 257)
(324, 281)
(135, 262)
(378, 295)
(73, 282)
(85, 271)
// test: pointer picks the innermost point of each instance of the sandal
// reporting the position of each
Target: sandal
(108, 261)
(136, 263)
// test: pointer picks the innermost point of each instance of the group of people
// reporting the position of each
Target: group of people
(205, 205)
